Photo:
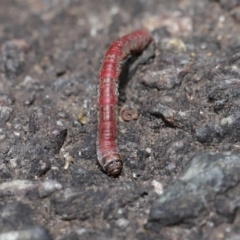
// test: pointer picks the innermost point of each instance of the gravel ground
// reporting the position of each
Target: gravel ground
(180, 179)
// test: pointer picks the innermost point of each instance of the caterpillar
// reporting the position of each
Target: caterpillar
(108, 155)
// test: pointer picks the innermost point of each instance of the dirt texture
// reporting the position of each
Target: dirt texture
(179, 121)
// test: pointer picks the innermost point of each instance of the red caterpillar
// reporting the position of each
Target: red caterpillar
(107, 153)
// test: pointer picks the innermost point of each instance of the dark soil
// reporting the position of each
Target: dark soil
(181, 153)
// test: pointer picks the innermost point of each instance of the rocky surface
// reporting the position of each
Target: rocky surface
(180, 151)
(207, 181)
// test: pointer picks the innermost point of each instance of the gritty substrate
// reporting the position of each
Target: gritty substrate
(181, 155)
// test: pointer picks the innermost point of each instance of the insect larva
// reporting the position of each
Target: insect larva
(107, 152)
